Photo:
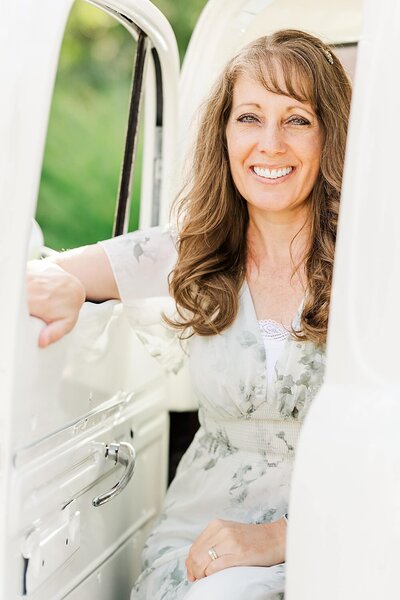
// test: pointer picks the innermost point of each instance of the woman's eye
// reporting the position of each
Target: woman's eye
(247, 118)
(299, 121)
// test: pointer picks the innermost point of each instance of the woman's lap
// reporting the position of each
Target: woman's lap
(238, 583)
(169, 582)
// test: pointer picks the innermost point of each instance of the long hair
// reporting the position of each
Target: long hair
(213, 216)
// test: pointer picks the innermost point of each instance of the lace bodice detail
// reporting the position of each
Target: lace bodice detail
(274, 337)
(272, 330)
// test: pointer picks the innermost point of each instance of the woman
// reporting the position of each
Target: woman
(251, 277)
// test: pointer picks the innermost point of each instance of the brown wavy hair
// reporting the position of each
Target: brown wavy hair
(213, 216)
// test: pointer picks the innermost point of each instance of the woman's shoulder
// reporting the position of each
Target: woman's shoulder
(142, 260)
(152, 242)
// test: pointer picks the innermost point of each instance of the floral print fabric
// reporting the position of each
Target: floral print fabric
(239, 464)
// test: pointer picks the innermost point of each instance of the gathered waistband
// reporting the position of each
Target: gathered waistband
(257, 435)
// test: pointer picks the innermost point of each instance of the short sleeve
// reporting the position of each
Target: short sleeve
(141, 262)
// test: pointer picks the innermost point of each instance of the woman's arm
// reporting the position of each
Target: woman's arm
(58, 286)
(127, 267)
(92, 268)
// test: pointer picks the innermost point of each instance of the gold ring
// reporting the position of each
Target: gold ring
(212, 553)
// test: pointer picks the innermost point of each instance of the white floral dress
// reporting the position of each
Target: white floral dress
(239, 464)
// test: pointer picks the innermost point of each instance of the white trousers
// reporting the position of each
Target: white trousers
(241, 583)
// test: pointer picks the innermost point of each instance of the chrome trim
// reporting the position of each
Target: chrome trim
(97, 416)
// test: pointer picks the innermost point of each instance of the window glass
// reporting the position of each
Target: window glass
(86, 134)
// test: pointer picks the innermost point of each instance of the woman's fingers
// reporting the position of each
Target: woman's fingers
(56, 297)
(199, 557)
(206, 565)
(222, 562)
(53, 332)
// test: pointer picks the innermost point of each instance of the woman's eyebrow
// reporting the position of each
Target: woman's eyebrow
(248, 104)
(301, 108)
(294, 107)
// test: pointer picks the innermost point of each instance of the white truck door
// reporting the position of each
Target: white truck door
(77, 418)
(344, 530)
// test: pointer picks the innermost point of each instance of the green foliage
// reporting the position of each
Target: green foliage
(97, 50)
(81, 167)
(87, 126)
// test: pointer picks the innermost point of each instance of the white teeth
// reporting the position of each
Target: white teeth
(273, 174)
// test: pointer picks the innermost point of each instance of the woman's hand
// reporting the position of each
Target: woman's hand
(236, 544)
(56, 297)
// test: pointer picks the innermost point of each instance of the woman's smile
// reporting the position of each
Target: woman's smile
(272, 175)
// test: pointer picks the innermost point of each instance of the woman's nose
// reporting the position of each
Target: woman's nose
(271, 139)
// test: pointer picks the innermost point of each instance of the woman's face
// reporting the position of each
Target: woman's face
(274, 146)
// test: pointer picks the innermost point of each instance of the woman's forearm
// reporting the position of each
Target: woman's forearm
(90, 265)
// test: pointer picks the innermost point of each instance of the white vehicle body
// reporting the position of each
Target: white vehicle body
(60, 406)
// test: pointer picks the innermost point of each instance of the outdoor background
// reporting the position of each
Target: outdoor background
(86, 133)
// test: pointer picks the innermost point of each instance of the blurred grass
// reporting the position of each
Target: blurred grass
(81, 166)
(87, 124)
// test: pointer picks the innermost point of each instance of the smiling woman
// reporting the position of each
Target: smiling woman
(274, 146)
(300, 98)
(250, 270)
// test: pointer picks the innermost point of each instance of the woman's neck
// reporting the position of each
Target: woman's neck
(279, 240)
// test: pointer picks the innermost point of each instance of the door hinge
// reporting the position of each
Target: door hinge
(49, 546)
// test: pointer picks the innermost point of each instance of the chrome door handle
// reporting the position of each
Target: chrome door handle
(123, 454)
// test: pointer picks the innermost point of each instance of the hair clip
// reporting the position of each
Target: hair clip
(328, 55)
